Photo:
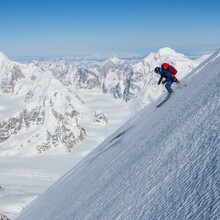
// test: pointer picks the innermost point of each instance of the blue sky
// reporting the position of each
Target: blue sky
(64, 27)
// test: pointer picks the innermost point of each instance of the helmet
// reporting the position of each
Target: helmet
(157, 70)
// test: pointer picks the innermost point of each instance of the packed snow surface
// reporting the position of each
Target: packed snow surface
(164, 163)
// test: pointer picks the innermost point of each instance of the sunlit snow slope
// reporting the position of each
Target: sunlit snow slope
(162, 164)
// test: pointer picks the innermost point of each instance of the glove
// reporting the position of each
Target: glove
(164, 81)
(176, 80)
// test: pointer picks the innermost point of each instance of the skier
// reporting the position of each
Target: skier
(169, 78)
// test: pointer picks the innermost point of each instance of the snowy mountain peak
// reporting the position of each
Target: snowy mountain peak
(167, 51)
(116, 60)
(165, 54)
(3, 57)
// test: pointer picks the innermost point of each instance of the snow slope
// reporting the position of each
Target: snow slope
(162, 164)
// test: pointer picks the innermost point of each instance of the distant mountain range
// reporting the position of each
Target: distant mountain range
(42, 107)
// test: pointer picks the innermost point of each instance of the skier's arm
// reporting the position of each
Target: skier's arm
(160, 80)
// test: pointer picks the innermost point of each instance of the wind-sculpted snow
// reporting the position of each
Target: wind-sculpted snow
(162, 164)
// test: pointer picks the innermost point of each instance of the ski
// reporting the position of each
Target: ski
(161, 103)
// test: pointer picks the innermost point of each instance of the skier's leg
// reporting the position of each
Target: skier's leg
(168, 86)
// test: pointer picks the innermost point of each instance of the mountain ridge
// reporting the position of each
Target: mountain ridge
(46, 93)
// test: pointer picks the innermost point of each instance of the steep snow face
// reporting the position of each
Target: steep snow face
(162, 164)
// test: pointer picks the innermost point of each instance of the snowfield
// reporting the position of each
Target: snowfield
(164, 163)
